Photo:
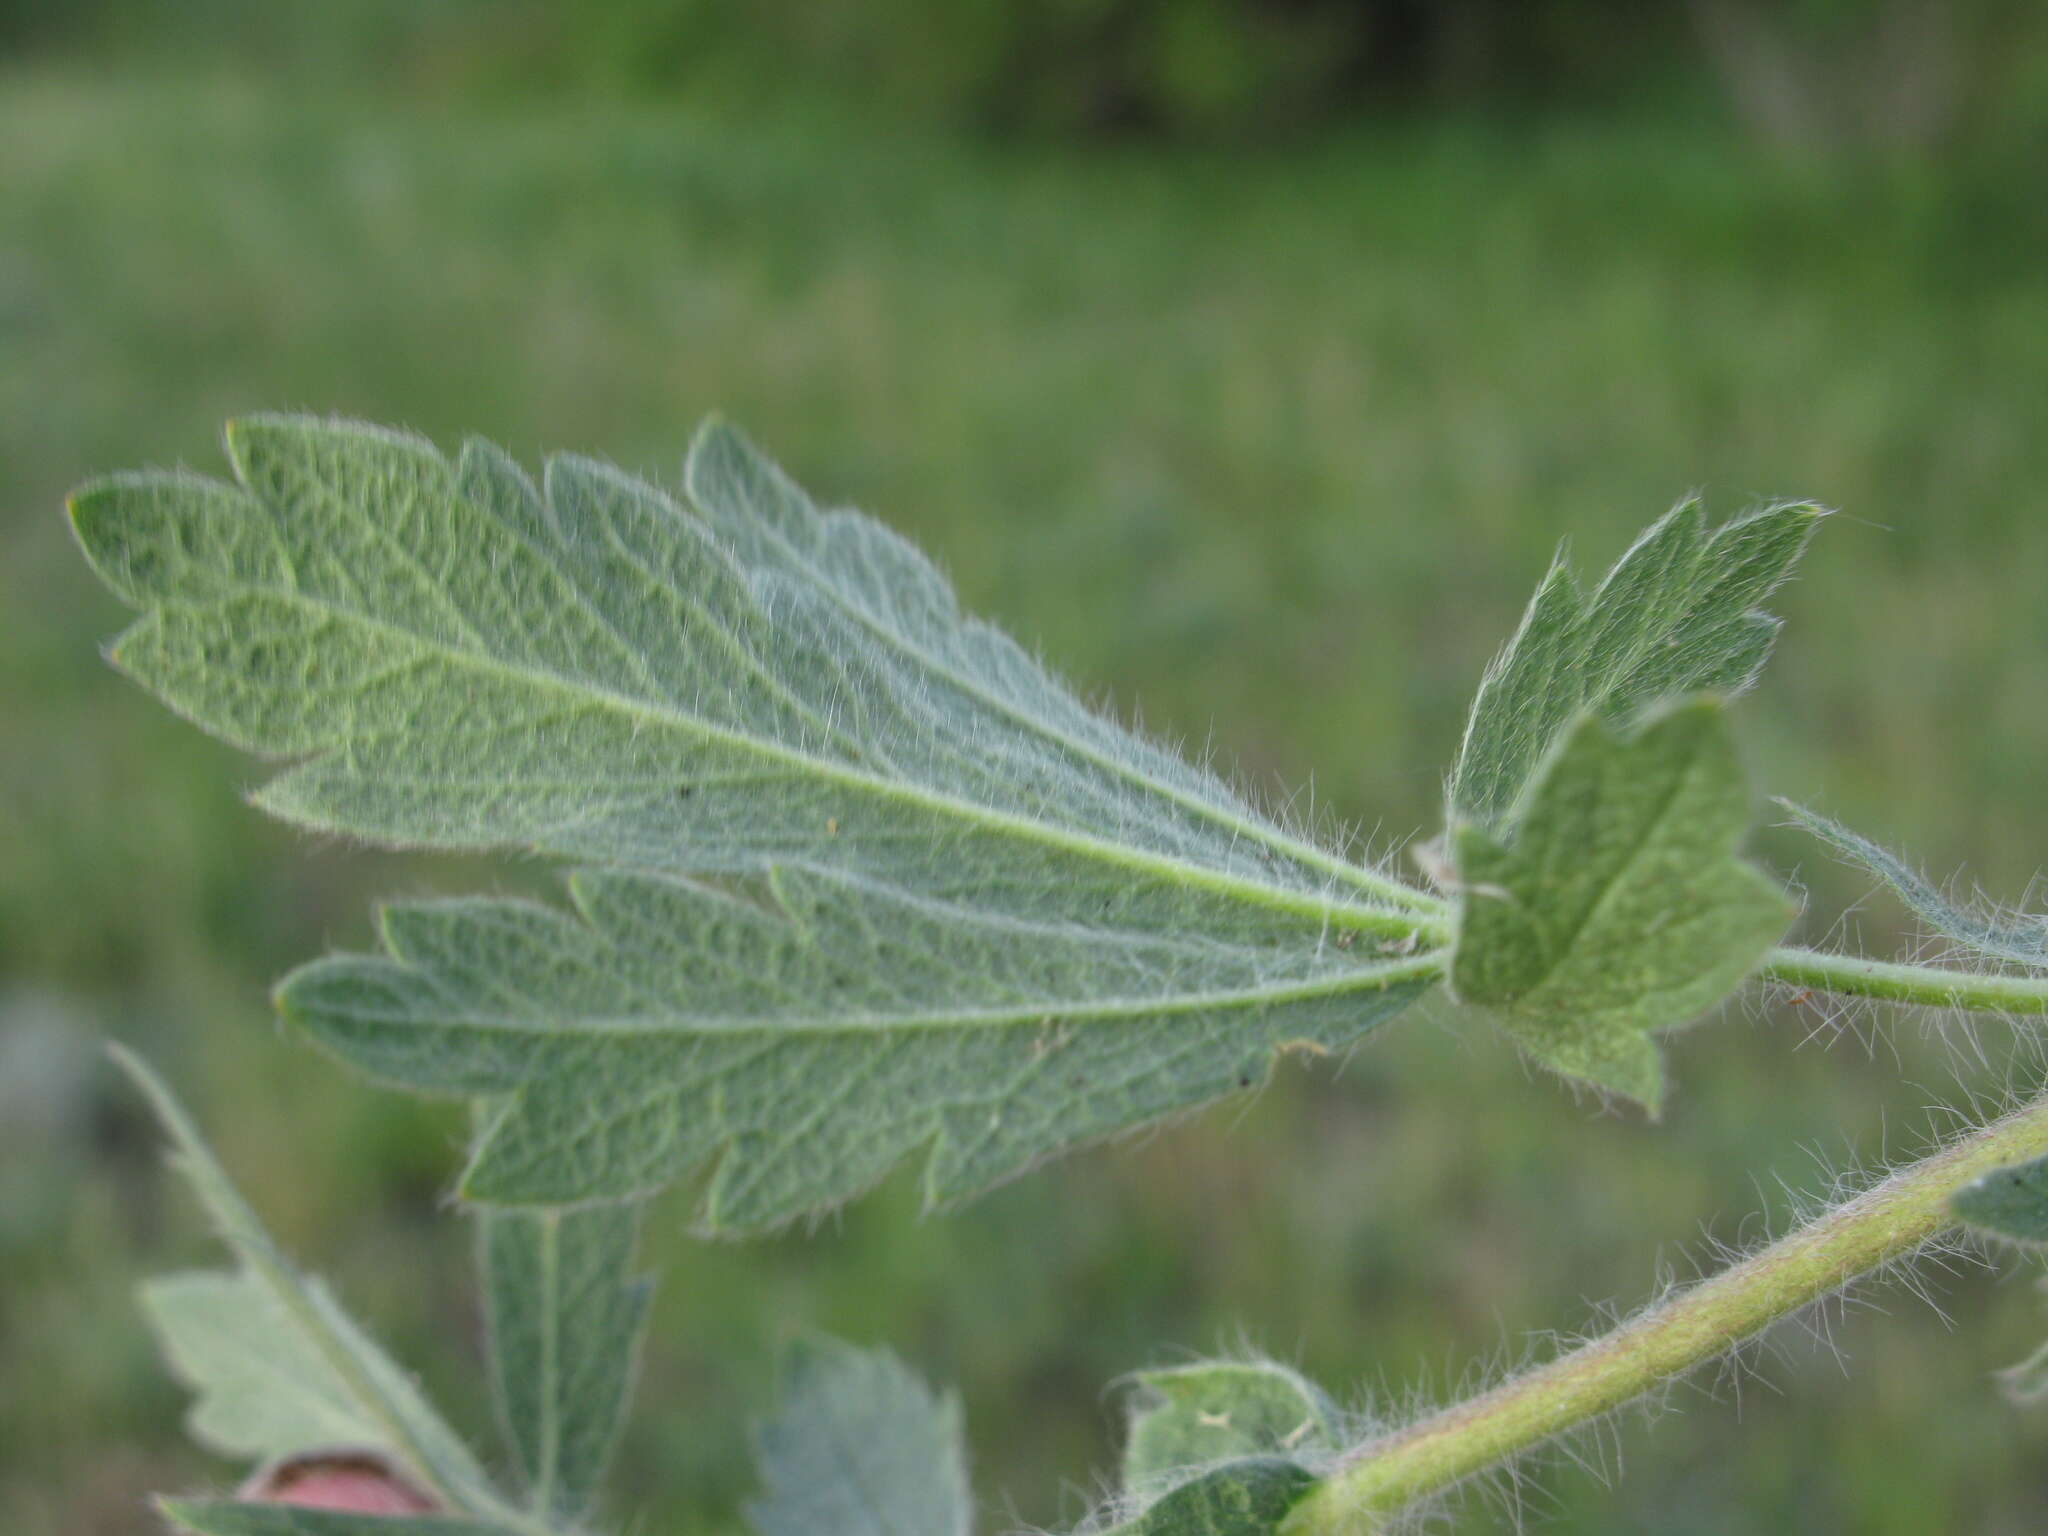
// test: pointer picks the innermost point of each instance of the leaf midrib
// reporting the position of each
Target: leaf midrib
(1425, 967)
(1272, 837)
(550, 1447)
(1378, 919)
(1597, 908)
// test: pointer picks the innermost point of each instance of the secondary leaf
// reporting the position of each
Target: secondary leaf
(2013, 1202)
(2020, 938)
(1617, 906)
(1194, 1416)
(278, 1367)
(263, 1387)
(565, 1324)
(227, 1517)
(963, 914)
(1676, 615)
(860, 1447)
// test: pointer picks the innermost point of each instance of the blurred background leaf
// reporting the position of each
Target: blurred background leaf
(1257, 381)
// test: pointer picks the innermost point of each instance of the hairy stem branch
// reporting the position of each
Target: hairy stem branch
(1694, 1326)
(1929, 985)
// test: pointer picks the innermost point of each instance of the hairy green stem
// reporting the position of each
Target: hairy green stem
(1925, 984)
(1697, 1324)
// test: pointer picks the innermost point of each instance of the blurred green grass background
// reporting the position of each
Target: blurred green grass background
(1264, 423)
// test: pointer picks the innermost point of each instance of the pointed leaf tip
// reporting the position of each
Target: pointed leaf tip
(1676, 615)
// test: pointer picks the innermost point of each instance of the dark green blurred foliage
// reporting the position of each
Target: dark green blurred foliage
(1886, 76)
(1810, 77)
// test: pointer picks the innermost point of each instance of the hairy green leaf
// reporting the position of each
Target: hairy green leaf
(1241, 1498)
(1617, 906)
(459, 659)
(566, 1321)
(860, 1447)
(2020, 938)
(1676, 615)
(1193, 1416)
(263, 1387)
(2013, 1202)
(821, 1032)
(962, 914)
(226, 1517)
(277, 1365)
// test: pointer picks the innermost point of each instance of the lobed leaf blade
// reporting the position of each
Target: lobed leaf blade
(806, 1041)
(1618, 908)
(261, 1388)
(751, 691)
(1676, 615)
(590, 670)
(899, 600)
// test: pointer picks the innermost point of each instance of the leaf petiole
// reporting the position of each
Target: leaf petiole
(1929, 986)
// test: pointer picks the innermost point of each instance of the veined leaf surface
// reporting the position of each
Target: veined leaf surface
(565, 1323)
(459, 659)
(860, 1447)
(1187, 1419)
(263, 1388)
(1676, 615)
(818, 1034)
(1617, 906)
(964, 913)
(1247, 1497)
